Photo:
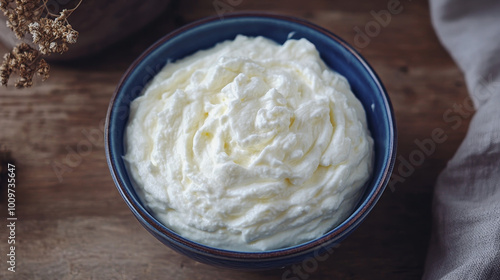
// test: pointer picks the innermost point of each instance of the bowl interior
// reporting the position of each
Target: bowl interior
(205, 34)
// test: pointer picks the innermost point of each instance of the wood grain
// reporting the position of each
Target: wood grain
(76, 226)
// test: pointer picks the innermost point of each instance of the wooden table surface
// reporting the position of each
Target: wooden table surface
(75, 225)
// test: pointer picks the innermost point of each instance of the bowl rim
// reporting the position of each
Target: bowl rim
(328, 238)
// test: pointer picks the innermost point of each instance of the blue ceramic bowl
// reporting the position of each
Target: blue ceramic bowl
(206, 33)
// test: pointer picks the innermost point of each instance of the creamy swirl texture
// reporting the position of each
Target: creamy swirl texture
(249, 145)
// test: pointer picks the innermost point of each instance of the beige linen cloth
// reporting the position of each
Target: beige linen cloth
(465, 242)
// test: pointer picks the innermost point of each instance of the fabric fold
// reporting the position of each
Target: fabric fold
(465, 241)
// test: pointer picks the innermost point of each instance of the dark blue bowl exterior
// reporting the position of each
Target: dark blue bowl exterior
(205, 34)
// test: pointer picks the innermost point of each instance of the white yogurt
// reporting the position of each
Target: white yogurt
(249, 145)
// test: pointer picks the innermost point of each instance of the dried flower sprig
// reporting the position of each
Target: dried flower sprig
(24, 60)
(50, 33)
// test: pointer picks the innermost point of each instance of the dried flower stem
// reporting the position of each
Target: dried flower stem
(50, 33)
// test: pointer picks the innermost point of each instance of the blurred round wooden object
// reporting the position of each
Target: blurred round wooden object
(99, 23)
